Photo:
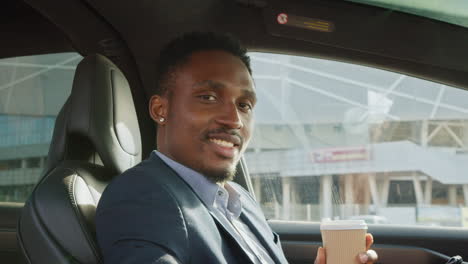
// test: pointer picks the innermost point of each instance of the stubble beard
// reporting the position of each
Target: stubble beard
(222, 175)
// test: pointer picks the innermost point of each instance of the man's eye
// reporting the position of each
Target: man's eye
(207, 97)
(245, 106)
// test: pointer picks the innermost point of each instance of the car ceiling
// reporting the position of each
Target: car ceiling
(134, 31)
(365, 35)
(26, 32)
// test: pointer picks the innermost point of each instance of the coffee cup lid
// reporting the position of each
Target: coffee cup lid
(342, 224)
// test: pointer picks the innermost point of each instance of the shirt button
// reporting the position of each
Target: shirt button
(220, 193)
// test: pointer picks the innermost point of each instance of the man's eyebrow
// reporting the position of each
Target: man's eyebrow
(210, 83)
(251, 95)
(218, 85)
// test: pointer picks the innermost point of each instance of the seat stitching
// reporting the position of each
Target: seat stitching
(71, 193)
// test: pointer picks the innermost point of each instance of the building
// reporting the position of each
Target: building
(331, 139)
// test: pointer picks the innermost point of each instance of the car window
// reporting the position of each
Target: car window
(343, 141)
(32, 91)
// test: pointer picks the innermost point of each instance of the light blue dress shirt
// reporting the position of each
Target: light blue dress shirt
(222, 202)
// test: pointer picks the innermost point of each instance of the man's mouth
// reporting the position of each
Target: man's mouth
(224, 139)
(222, 143)
(225, 145)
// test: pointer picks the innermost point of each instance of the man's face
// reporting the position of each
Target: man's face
(209, 114)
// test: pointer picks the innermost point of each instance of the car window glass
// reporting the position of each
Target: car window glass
(32, 91)
(343, 141)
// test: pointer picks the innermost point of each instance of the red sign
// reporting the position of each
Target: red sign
(282, 18)
(340, 155)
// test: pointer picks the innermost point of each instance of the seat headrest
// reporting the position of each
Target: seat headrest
(99, 118)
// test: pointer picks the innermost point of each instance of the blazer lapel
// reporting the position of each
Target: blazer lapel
(221, 221)
(228, 229)
(259, 227)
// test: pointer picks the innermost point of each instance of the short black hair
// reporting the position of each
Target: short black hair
(177, 52)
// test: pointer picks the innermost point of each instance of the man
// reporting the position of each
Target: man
(180, 206)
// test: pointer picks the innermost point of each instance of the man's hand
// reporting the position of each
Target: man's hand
(368, 257)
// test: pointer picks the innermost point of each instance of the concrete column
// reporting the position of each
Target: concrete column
(347, 209)
(428, 191)
(286, 198)
(257, 184)
(366, 196)
(452, 195)
(277, 211)
(349, 190)
(373, 190)
(23, 163)
(424, 133)
(385, 188)
(418, 190)
(465, 193)
(326, 184)
(309, 212)
(293, 199)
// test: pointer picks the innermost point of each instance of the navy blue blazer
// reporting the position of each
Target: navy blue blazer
(149, 214)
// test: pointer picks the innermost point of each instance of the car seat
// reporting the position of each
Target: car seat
(96, 137)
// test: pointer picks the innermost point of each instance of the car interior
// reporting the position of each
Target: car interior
(120, 42)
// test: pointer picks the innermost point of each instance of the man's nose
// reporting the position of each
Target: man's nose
(229, 116)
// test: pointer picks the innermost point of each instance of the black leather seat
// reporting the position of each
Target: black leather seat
(96, 137)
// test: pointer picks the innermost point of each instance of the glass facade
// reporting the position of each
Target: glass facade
(32, 91)
(337, 140)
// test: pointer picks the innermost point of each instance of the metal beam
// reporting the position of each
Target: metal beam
(37, 73)
(437, 101)
(363, 84)
(337, 97)
(34, 65)
(454, 136)
(433, 133)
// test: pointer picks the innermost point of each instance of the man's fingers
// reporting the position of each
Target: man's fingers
(369, 257)
(320, 259)
(369, 241)
(363, 258)
(372, 256)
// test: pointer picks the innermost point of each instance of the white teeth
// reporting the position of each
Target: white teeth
(222, 143)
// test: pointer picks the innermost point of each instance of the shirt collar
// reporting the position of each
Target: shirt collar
(234, 203)
(205, 189)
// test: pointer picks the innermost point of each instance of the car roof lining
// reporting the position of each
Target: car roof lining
(437, 51)
(26, 32)
(60, 27)
(379, 38)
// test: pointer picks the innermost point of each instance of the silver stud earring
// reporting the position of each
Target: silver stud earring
(161, 119)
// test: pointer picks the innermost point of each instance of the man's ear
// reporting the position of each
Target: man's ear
(158, 109)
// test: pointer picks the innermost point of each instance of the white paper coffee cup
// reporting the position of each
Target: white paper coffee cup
(343, 240)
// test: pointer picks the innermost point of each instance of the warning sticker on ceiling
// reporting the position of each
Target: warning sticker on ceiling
(305, 22)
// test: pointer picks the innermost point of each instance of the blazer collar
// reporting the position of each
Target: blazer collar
(219, 219)
(251, 215)
(256, 221)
